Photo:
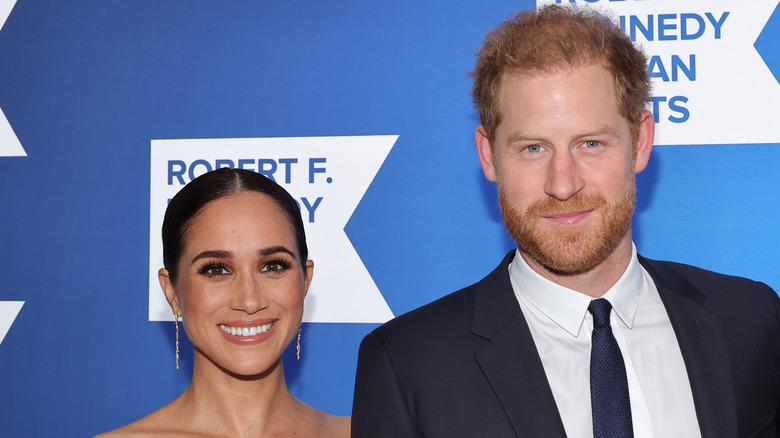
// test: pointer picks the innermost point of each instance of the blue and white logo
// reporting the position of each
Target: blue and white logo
(710, 85)
(328, 176)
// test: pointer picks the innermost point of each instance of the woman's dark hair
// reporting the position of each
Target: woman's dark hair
(190, 200)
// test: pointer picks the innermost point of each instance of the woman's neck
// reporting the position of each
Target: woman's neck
(238, 405)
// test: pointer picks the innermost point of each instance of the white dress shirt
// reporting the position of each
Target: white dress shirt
(561, 326)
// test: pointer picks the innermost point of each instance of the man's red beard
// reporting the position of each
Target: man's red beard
(573, 249)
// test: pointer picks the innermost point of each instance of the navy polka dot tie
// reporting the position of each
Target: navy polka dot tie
(608, 382)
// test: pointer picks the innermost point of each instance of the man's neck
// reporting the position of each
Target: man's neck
(595, 282)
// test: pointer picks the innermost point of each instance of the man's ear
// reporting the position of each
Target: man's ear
(644, 141)
(485, 153)
(309, 273)
(170, 292)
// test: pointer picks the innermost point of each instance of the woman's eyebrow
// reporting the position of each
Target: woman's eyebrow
(213, 254)
(274, 250)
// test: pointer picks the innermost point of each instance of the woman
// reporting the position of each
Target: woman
(236, 270)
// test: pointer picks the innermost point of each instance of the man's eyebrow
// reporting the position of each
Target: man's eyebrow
(520, 136)
(601, 130)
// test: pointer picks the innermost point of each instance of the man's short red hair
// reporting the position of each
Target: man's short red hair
(552, 38)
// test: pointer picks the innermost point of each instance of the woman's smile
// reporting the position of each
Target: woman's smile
(253, 333)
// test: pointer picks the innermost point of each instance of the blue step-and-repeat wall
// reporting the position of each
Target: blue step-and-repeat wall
(362, 110)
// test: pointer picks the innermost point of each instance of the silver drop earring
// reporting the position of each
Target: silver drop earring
(177, 339)
(298, 345)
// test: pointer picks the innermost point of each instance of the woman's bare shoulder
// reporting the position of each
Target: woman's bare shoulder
(322, 424)
(337, 427)
(156, 424)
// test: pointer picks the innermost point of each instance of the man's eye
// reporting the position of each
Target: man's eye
(591, 143)
(534, 148)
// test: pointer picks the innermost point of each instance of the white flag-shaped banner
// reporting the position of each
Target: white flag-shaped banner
(328, 176)
(9, 147)
(710, 85)
(9, 143)
(8, 313)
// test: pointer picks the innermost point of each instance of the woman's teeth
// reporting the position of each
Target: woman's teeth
(246, 331)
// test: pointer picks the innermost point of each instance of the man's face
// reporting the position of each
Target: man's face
(564, 167)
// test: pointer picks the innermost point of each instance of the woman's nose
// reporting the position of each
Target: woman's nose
(249, 295)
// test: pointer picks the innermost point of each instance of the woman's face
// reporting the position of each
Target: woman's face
(240, 286)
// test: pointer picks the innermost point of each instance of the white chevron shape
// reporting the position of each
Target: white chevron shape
(9, 143)
(8, 312)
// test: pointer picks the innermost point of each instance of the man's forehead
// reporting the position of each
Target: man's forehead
(551, 69)
(511, 80)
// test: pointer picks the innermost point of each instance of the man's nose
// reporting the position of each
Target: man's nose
(563, 176)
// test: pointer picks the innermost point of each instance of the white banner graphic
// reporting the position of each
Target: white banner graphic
(710, 84)
(8, 312)
(328, 176)
(9, 143)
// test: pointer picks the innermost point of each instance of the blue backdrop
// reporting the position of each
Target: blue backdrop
(87, 85)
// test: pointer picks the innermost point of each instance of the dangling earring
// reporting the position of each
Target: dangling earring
(177, 339)
(298, 345)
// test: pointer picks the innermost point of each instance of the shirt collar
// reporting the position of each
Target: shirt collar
(567, 307)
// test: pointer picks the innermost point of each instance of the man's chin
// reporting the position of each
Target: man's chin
(563, 260)
(570, 251)
(575, 247)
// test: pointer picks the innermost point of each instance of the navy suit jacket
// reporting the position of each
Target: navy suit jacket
(466, 365)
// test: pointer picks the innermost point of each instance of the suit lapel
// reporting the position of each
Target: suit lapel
(704, 350)
(511, 363)
(513, 368)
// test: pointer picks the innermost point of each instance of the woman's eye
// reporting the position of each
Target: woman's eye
(214, 270)
(274, 266)
(217, 271)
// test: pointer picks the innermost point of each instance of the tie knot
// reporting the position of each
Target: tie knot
(600, 309)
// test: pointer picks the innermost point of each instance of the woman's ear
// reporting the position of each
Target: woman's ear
(308, 273)
(170, 292)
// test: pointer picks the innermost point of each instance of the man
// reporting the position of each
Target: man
(676, 351)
